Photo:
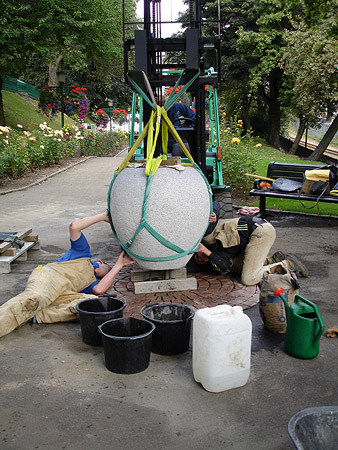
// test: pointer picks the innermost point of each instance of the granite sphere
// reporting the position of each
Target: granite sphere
(178, 208)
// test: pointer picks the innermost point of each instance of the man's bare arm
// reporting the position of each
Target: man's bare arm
(77, 226)
(105, 284)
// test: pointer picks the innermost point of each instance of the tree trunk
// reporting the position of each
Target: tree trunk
(324, 143)
(275, 78)
(300, 132)
(274, 126)
(273, 103)
(54, 67)
(2, 112)
(245, 113)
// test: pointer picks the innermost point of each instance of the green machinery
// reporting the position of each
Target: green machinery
(183, 69)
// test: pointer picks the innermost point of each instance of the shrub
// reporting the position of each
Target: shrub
(21, 150)
(101, 143)
(14, 152)
(239, 156)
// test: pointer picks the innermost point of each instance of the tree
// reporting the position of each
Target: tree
(323, 144)
(64, 34)
(260, 61)
(311, 66)
(252, 36)
(263, 48)
(79, 35)
(236, 90)
(317, 11)
(17, 38)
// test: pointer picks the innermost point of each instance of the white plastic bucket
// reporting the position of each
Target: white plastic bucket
(221, 350)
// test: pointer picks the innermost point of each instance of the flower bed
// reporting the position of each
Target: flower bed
(21, 150)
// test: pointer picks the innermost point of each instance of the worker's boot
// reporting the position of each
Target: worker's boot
(276, 257)
(296, 265)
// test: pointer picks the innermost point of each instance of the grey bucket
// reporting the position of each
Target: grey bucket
(315, 428)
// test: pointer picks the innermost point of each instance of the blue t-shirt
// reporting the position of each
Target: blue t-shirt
(80, 249)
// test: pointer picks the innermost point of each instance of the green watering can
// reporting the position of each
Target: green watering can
(304, 327)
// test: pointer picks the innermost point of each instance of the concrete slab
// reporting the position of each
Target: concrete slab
(177, 284)
(57, 394)
(146, 275)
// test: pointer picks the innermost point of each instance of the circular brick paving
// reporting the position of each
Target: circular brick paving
(212, 290)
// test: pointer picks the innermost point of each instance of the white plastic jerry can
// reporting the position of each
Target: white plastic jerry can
(221, 349)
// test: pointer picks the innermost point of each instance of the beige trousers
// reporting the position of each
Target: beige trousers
(253, 261)
(50, 292)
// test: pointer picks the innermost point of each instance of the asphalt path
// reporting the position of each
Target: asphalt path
(56, 392)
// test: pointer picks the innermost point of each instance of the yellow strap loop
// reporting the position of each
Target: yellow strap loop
(153, 164)
(165, 136)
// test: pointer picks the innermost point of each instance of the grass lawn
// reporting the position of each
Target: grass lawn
(18, 110)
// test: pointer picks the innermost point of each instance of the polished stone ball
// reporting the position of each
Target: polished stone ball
(178, 208)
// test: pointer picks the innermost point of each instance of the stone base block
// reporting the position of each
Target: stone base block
(177, 284)
(150, 275)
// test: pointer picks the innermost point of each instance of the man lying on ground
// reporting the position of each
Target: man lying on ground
(53, 290)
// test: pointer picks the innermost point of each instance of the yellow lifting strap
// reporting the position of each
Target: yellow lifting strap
(153, 164)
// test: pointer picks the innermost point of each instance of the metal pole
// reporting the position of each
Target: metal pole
(110, 111)
(62, 105)
(306, 131)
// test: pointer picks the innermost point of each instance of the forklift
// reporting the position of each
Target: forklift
(183, 69)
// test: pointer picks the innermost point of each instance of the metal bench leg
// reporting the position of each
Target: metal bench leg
(262, 210)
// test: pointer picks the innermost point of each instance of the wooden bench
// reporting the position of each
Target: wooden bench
(291, 171)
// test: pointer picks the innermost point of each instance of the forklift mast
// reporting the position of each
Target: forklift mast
(150, 51)
(189, 63)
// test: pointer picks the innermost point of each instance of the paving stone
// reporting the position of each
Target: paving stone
(212, 290)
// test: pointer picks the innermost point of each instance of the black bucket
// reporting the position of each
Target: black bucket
(173, 324)
(127, 344)
(95, 311)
